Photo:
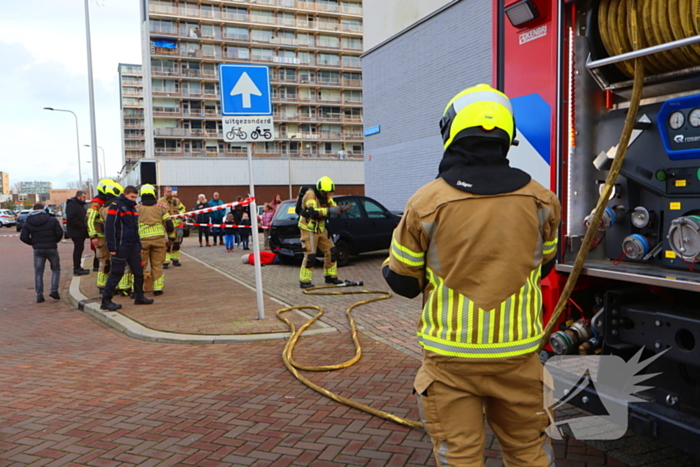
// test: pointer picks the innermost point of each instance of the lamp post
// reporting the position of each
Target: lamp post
(104, 163)
(289, 167)
(77, 140)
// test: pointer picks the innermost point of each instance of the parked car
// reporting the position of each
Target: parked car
(21, 218)
(7, 218)
(366, 226)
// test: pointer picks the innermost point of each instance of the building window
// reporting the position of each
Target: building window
(353, 43)
(236, 32)
(262, 35)
(329, 59)
(351, 61)
(328, 41)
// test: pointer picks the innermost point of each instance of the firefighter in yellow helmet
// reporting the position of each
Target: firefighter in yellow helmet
(476, 242)
(154, 226)
(107, 190)
(317, 204)
(175, 206)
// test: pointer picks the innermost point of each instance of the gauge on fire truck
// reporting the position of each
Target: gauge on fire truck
(694, 118)
(678, 122)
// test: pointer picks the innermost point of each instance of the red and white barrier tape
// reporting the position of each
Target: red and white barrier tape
(221, 225)
(245, 202)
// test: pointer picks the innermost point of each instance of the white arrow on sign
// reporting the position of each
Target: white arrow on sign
(246, 88)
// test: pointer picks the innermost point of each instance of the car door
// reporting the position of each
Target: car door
(351, 224)
(381, 224)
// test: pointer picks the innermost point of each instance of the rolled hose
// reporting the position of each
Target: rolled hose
(293, 366)
(592, 229)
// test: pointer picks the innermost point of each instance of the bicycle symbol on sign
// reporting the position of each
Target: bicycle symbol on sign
(236, 132)
(258, 133)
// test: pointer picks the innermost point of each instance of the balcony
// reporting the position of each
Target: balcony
(188, 133)
(217, 14)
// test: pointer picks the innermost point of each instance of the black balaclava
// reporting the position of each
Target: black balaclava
(148, 199)
(479, 165)
(322, 196)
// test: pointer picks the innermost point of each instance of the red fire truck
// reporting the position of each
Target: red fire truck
(568, 67)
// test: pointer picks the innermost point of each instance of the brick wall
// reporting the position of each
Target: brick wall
(407, 83)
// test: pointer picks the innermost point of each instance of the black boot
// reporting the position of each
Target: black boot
(305, 285)
(333, 280)
(80, 272)
(176, 262)
(108, 304)
(141, 300)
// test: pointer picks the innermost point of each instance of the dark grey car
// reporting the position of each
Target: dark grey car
(366, 226)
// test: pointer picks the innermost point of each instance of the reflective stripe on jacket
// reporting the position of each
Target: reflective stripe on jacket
(152, 220)
(95, 224)
(175, 206)
(477, 259)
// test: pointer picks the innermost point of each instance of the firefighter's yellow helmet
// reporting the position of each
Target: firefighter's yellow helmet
(108, 186)
(147, 190)
(478, 111)
(325, 184)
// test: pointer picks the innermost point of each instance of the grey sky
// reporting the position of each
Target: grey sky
(45, 65)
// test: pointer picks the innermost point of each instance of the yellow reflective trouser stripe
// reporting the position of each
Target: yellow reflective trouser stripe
(511, 328)
(550, 247)
(126, 282)
(102, 279)
(332, 271)
(175, 255)
(151, 230)
(407, 256)
(159, 283)
(305, 274)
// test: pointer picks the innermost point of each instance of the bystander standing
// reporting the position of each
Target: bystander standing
(76, 229)
(43, 232)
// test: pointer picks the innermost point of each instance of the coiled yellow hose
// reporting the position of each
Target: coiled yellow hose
(293, 366)
(628, 25)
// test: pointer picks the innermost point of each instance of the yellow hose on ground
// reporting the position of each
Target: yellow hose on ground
(293, 366)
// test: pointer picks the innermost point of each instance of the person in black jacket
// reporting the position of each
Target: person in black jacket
(76, 229)
(43, 232)
(124, 246)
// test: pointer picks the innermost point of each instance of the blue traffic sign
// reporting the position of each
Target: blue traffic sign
(245, 89)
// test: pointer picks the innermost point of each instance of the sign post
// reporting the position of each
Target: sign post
(246, 107)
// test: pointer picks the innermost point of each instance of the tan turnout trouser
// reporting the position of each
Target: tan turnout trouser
(311, 242)
(455, 398)
(153, 252)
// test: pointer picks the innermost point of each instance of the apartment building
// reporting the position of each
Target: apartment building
(5, 183)
(132, 113)
(313, 49)
(34, 187)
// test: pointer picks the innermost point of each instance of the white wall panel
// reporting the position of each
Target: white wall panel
(217, 172)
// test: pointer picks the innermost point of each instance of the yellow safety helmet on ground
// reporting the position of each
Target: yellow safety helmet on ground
(147, 190)
(325, 184)
(107, 186)
(478, 111)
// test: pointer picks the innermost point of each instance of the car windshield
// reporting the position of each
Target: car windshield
(286, 212)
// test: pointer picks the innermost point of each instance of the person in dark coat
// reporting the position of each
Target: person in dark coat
(245, 231)
(76, 229)
(124, 246)
(43, 232)
(202, 218)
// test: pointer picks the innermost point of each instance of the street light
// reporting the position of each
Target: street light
(289, 168)
(77, 140)
(104, 164)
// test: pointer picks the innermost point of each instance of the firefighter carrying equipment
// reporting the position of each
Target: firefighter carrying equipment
(294, 367)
